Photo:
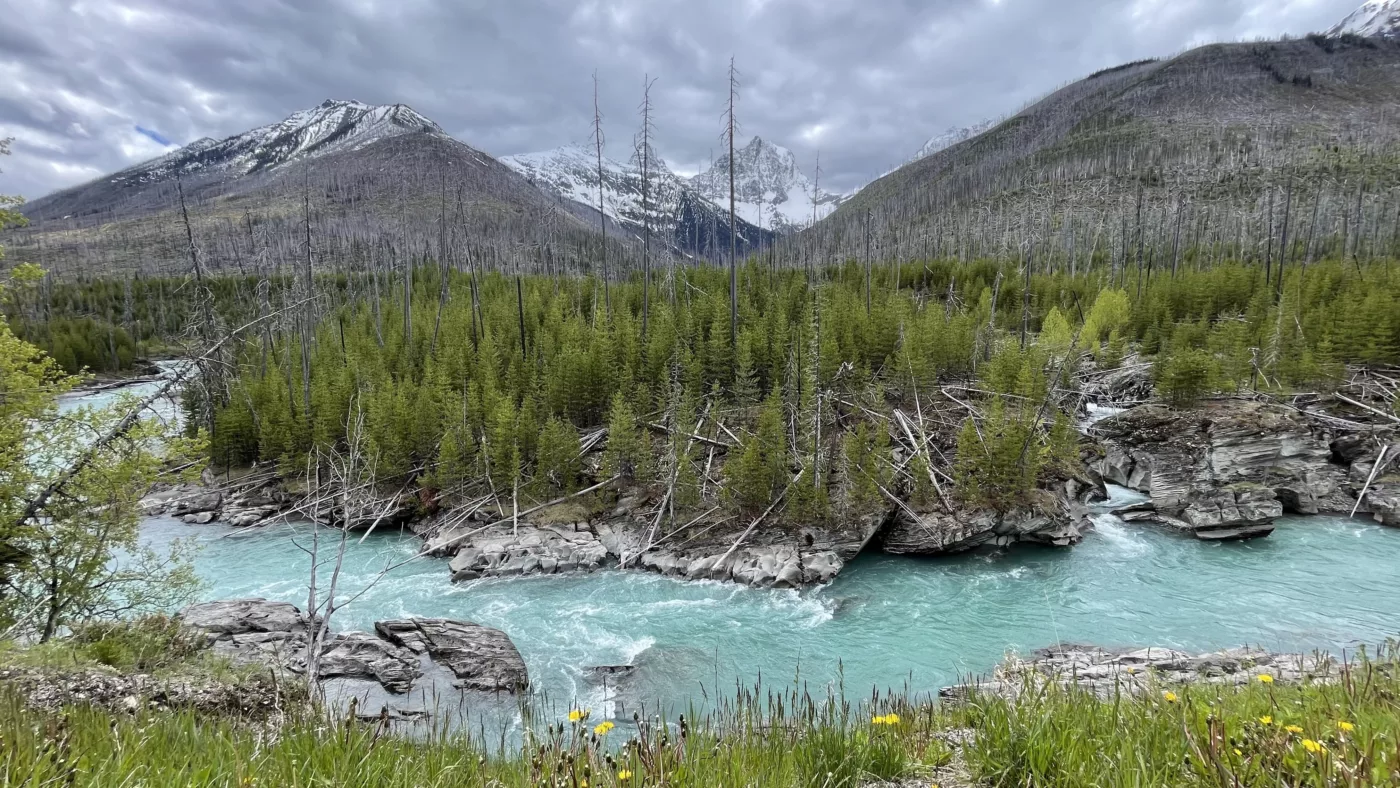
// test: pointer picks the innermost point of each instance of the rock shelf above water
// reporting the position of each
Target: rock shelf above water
(276, 634)
(1105, 671)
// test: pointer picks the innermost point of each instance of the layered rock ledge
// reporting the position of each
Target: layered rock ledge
(1229, 469)
(1106, 671)
(277, 634)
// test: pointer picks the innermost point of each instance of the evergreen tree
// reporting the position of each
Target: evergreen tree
(559, 461)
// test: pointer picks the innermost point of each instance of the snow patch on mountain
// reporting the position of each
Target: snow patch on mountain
(572, 172)
(770, 190)
(951, 137)
(676, 212)
(1374, 19)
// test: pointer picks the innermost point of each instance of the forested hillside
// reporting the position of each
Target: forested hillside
(1253, 151)
(392, 199)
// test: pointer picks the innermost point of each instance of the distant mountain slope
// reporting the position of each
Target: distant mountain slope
(770, 190)
(376, 177)
(1207, 142)
(1375, 18)
(680, 216)
(332, 127)
(951, 137)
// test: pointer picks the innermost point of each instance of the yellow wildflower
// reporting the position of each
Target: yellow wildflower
(1346, 726)
(1266, 720)
(1314, 747)
(1265, 678)
(625, 774)
(1238, 753)
(891, 719)
(602, 728)
(1293, 729)
(576, 715)
(1169, 696)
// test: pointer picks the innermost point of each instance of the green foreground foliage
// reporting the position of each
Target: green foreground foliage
(70, 485)
(1319, 735)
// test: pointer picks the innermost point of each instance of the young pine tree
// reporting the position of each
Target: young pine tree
(558, 452)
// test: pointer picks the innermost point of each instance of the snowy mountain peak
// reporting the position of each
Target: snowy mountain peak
(1375, 18)
(771, 190)
(333, 126)
(672, 208)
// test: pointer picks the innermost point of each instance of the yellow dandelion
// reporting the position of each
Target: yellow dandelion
(1293, 729)
(1238, 753)
(625, 774)
(1169, 696)
(602, 728)
(891, 719)
(1346, 726)
(577, 715)
(1265, 678)
(1266, 720)
(1314, 747)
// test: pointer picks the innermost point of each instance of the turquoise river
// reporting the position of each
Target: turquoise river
(885, 623)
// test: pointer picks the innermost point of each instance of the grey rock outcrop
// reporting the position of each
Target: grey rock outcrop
(775, 555)
(1226, 470)
(200, 504)
(250, 630)
(1059, 518)
(1383, 501)
(361, 655)
(772, 555)
(276, 634)
(1135, 671)
(529, 549)
(480, 657)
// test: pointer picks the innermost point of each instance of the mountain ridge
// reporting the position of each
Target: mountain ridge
(771, 190)
(1374, 19)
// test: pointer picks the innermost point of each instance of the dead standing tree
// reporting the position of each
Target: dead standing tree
(206, 330)
(730, 127)
(645, 161)
(602, 213)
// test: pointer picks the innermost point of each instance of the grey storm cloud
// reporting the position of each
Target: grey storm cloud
(87, 88)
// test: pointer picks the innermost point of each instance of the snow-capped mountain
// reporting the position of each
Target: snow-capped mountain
(679, 214)
(329, 128)
(572, 172)
(952, 137)
(770, 190)
(1375, 18)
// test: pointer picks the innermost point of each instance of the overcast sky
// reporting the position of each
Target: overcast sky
(89, 87)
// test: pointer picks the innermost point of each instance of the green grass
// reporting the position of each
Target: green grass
(155, 645)
(1345, 733)
(1311, 734)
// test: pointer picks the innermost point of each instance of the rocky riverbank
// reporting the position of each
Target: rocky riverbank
(1134, 671)
(396, 655)
(1227, 469)
(1230, 468)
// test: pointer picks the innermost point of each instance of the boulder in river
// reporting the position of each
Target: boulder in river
(480, 657)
